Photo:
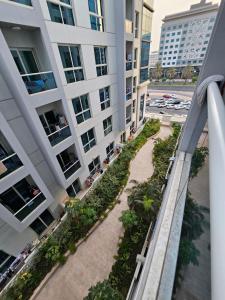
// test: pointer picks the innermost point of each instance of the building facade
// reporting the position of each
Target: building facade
(154, 58)
(185, 36)
(73, 78)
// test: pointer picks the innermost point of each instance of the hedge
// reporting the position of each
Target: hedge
(82, 215)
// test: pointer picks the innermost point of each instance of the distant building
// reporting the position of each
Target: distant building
(154, 58)
(185, 36)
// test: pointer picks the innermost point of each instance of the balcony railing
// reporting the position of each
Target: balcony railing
(128, 26)
(128, 65)
(71, 168)
(29, 207)
(59, 135)
(25, 2)
(9, 165)
(39, 82)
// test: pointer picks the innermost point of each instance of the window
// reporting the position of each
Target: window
(206, 42)
(68, 161)
(42, 222)
(88, 140)
(74, 188)
(144, 75)
(202, 55)
(107, 125)
(94, 166)
(168, 34)
(96, 15)
(174, 27)
(134, 106)
(210, 28)
(104, 95)
(61, 13)
(22, 198)
(136, 29)
(100, 60)
(173, 34)
(141, 113)
(178, 33)
(70, 56)
(128, 114)
(110, 150)
(5, 261)
(172, 40)
(25, 60)
(81, 108)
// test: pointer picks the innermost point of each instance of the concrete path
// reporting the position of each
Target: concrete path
(197, 284)
(94, 258)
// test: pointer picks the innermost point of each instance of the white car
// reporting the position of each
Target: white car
(159, 100)
(170, 106)
(153, 104)
(179, 106)
(173, 96)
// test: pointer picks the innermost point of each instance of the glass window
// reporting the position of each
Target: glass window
(42, 222)
(107, 125)
(25, 61)
(110, 150)
(81, 108)
(96, 15)
(100, 60)
(5, 261)
(104, 95)
(145, 48)
(141, 114)
(71, 61)
(128, 114)
(94, 166)
(61, 13)
(74, 188)
(88, 140)
(144, 75)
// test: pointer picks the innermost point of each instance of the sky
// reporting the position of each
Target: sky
(167, 7)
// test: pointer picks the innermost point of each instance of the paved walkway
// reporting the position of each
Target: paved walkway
(94, 258)
(197, 284)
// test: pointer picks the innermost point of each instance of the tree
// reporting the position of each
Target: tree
(129, 219)
(157, 73)
(171, 73)
(187, 72)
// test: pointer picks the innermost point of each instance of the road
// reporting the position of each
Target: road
(166, 111)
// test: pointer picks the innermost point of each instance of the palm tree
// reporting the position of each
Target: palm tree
(187, 72)
(158, 71)
(171, 73)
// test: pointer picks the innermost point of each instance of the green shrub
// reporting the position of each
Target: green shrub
(129, 219)
(103, 291)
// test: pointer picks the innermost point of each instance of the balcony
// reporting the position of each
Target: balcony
(25, 2)
(9, 161)
(30, 206)
(22, 198)
(9, 165)
(69, 162)
(128, 26)
(39, 82)
(54, 122)
(30, 57)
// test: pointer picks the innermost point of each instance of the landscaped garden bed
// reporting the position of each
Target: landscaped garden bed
(144, 203)
(81, 217)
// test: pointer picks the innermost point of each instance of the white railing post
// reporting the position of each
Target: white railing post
(216, 126)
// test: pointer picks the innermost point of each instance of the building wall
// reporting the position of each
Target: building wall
(184, 40)
(31, 27)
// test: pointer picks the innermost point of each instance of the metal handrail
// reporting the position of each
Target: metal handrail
(31, 74)
(27, 204)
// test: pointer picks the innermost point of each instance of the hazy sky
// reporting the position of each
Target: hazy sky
(167, 7)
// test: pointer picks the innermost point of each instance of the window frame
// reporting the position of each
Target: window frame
(107, 125)
(96, 166)
(101, 66)
(60, 3)
(88, 146)
(82, 113)
(73, 68)
(106, 103)
(110, 149)
(98, 16)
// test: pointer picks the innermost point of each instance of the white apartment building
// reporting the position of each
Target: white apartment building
(73, 84)
(185, 36)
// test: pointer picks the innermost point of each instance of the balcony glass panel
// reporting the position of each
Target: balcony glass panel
(68, 161)
(39, 82)
(59, 135)
(9, 164)
(30, 206)
(72, 169)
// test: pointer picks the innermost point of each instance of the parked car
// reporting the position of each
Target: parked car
(153, 104)
(179, 106)
(170, 106)
(166, 96)
(159, 100)
(161, 105)
(161, 112)
(173, 96)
